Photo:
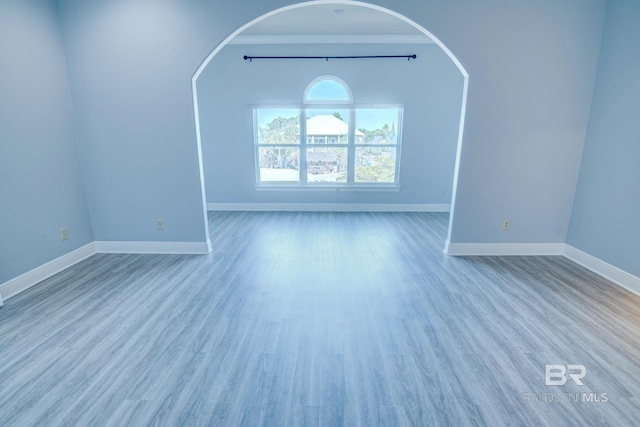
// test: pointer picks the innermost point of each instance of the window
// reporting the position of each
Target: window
(328, 141)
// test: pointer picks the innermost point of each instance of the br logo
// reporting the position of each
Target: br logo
(557, 374)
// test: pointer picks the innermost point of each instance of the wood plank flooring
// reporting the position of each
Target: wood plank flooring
(305, 319)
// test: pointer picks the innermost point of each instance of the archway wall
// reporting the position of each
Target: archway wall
(532, 68)
(531, 64)
(429, 88)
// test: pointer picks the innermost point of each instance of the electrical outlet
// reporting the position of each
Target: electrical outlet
(160, 224)
(444, 192)
(211, 190)
(64, 234)
(506, 225)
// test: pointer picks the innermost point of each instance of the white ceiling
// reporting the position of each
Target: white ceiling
(331, 20)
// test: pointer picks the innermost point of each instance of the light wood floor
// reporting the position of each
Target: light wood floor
(304, 319)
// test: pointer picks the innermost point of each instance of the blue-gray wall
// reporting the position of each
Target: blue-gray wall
(41, 187)
(532, 67)
(429, 88)
(531, 64)
(130, 67)
(607, 204)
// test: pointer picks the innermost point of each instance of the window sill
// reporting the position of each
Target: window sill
(336, 188)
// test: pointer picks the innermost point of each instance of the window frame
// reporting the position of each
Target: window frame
(304, 145)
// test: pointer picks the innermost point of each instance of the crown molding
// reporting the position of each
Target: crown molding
(331, 39)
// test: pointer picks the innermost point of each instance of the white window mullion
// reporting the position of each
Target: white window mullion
(256, 146)
(303, 146)
(399, 125)
(351, 149)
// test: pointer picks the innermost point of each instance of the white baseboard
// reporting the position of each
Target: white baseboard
(596, 265)
(38, 274)
(328, 207)
(192, 248)
(504, 249)
(604, 269)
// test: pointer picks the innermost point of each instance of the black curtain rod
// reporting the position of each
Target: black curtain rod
(326, 58)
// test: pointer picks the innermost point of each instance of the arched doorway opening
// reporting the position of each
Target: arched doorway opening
(338, 4)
